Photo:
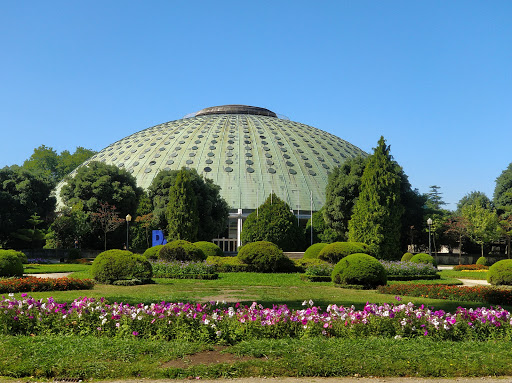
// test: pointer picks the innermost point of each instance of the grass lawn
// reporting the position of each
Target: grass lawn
(50, 357)
(57, 268)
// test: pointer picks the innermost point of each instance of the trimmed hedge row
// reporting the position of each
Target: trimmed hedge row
(18, 285)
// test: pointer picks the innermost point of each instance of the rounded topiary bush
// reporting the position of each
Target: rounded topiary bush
(482, 261)
(181, 250)
(313, 250)
(21, 255)
(424, 258)
(334, 252)
(210, 249)
(359, 269)
(152, 253)
(265, 257)
(115, 265)
(10, 264)
(500, 273)
(407, 257)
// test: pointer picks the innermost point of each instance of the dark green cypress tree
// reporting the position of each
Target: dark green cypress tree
(182, 214)
(274, 222)
(378, 210)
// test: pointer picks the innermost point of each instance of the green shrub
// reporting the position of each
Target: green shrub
(10, 264)
(114, 265)
(500, 273)
(151, 253)
(334, 252)
(209, 249)
(228, 264)
(265, 257)
(359, 269)
(313, 250)
(302, 264)
(181, 250)
(407, 257)
(482, 261)
(424, 258)
(19, 254)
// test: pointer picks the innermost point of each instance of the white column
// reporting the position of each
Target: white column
(239, 228)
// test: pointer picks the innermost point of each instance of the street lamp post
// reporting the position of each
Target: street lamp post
(128, 219)
(429, 223)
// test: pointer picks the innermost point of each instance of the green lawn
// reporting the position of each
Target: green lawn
(57, 268)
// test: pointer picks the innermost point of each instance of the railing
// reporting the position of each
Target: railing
(227, 245)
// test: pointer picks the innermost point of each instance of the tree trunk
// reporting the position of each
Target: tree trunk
(482, 246)
(105, 241)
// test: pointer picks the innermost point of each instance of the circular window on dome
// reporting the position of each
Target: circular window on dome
(304, 157)
(211, 154)
(121, 152)
(270, 162)
(335, 160)
(151, 163)
(170, 162)
(250, 170)
(141, 156)
(292, 171)
(229, 162)
(289, 163)
(177, 148)
(157, 155)
(271, 170)
(161, 149)
(121, 165)
(286, 156)
(207, 169)
(320, 159)
(216, 135)
(247, 142)
(231, 135)
(212, 147)
(186, 135)
(262, 137)
(153, 144)
(200, 136)
(312, 173)
(230, 147)
(325, 166)
(231, 142)
(246, 135)
(197, 141)
(194, 147)
(191, 154)
(229, 154)
(148, 170)
(127, 158)
(128, 146)
(316, 152)
(213, 142)
(135, 163)
(115, 158)
(248, 154)
(131, 170)
(308, 165)
(284, 149)
(266, 148)
(228, 169)
(189, 162)
(167, 142)
(133, 150)
(264, 142)
(249, 162)
(141, 144)
(209, 161)
(280, 143)
(268, 155)
(248, 148)
(174, 154)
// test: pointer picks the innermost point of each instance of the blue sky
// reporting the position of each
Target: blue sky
(433, 77)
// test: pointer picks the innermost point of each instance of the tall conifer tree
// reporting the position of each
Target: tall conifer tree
(182, 213)
(378, 211)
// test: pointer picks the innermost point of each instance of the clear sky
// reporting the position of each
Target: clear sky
(433, 77)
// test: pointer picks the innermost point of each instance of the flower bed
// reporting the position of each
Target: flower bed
(14, 285)
(482, 294)
(184, 270)
(217, 323)
(470, 268)
(404, 270)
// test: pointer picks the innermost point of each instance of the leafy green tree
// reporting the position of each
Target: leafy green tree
(273, 222)
(107, 218)
(144, 223)
(69, 162)
(503, 190)
(482, 223)
(457, 227)
(505, 229)
(434, 198)
(321, 232)
(213, 209)
(21, 195)
(475, 197)
(33, 236)
(99, 183)
(378, 211)
(341, 192)
(182, 213)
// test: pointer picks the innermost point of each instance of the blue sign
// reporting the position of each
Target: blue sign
(158, 238)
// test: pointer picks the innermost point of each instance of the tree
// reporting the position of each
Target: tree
(434, 199)
(458, 227)
(482, 223)
(475, 197)
(144, 223)
(68, 162)
(213, 209)
(107, 218)
(32, 235)
(341, 192)
(322, 232)
(99, 183)
(505, 229)
(273, 222)
(503, 191)
(377, 212)
(182, 213)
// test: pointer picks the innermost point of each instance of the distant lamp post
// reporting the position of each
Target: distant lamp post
(429, 223)
(128, 219)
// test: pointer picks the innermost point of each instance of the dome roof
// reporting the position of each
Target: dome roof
(248, 151)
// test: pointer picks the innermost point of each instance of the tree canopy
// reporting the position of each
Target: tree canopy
(378, 210)
(503, 191)
(273, 222)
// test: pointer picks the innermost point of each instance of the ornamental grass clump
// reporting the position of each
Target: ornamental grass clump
(360, 270)
(404, 270)
(500, 273)
(121, 265)
(229, 324)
